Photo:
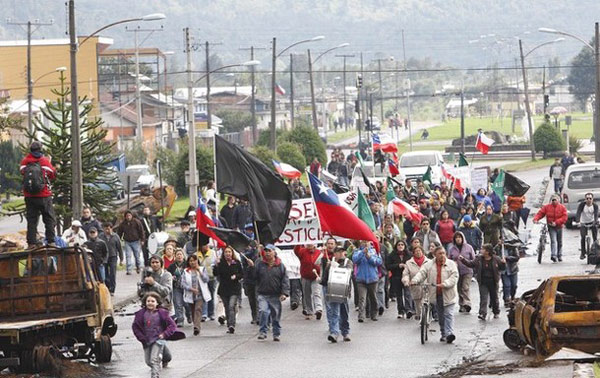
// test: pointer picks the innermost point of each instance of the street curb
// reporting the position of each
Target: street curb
(118, 305)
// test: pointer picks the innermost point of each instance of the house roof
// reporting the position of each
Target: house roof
(182, 93)
(127, 111)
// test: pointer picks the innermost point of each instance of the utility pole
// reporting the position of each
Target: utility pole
(543, 90)
(29, 24)
(359, 86)
(253, 96)
(272, 125)
(312, 95)
(396, 74)
(363, 106)
(462, 119)
(527, 106)
(208, 117)
(77, 180)
(407, 94)
(192, 182)
(344, 84)
(292, 88)
(597, 100)
(380, 91)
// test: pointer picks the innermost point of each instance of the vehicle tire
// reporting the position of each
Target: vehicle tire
(540, 252)
(512, 339)
(424, 323)
(103, 349)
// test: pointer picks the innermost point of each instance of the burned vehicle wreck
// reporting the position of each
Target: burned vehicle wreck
(564, 311)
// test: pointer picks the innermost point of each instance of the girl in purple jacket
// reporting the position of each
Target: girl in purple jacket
(152, 327)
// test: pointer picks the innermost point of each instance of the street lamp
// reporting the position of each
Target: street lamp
(526, 89)
(272, 126)
(596, 50)
(30, 96)
(77, 181)
(193, 182)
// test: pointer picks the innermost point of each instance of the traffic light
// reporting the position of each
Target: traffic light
(546, 102)
(356, 106)
(359, 81)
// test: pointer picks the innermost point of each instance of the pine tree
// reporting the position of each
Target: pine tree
(99, 182)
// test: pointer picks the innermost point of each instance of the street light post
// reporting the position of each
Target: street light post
(30, 94)
(272, 125)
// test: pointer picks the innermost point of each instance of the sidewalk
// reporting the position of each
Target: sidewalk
(126, 290)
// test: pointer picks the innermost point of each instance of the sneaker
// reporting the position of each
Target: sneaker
(400, 316)
(381, 311)
(461, 309)
(450, 338)
(137, 270)
(276, 338)
(189, 320)
(481, 317)
(417, 317)
(319, 314)
(294, 306)
(165, 364)
(496, 316)
(203, 319)
(347, 338)
(196, 331)
(52, 245)
(231, 329)
(409, 315)
(262, 336)
(252, 321)
(374, 319)
(128, 273)
(553, 259)
(559, 259)
(582, 255)
(361, 320)
(467, 308)
(393, 299)
(308, 317)
(179, 325)
(212, 317)
(221, 320)
(332, 338)
(304, 312)
(443, 339)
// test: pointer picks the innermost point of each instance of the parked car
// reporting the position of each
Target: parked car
(414, 164)
(564, 311)
(376, 124)
(579, 180)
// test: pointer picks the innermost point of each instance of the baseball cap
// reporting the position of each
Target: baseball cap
(249, 225)
(467, 218)
(93, 229)
(76, 223)
(270, 247)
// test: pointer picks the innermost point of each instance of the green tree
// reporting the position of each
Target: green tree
(10, 157)
(136, 154)
(265, 135)
(234, 121)
(265, 154)
(99, 181)
(309, 141)
(7, 122)
(548, 139)
(582, 78)
(204, 164)
(168, 160)
(291, 153)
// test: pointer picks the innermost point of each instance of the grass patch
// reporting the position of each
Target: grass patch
(14, 202)
(451, 129)
(178, 210)
(527, 165)
(341, 135)
(581, 124)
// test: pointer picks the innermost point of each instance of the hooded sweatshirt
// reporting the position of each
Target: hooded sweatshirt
(465, 250)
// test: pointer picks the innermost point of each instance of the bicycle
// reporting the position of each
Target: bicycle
(426, 316)
(542, 242)
(589, 242)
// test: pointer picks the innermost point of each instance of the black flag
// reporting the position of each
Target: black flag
(236, 239)
(244, 176)
(513, 186)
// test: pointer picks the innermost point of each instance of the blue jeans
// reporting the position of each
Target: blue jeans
(111, 273)
(509, 286)
(102, 272)
(555, 241)
(269, 306)
(337, 316)
(132, 251)
(404, 301)
(208, 308)
(557, 185)
(445, 316)
(180, 306)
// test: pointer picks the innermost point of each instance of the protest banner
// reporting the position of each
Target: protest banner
(479, 179)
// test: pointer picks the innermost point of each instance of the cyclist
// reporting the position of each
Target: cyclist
(556, 217)
(587, 212)
(443, 273)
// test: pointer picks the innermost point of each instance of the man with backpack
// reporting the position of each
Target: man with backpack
(37, 172)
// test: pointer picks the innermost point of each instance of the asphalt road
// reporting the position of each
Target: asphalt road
(386, 348)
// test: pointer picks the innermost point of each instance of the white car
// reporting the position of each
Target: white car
(413, 165)
(579, 180)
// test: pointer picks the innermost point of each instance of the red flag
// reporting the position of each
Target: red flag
(279, 89)
(400, 207)
(483, 143)
(455, 180)
(203, 222)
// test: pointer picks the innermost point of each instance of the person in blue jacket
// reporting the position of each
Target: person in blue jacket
(366, 261)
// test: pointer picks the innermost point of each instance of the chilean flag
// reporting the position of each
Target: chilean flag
(384, 143)
(334, 217)
(454, 180)
(400, 207)
(203, 221)
(393, 165)
(286, 170)
(483, 143)
(279, 89)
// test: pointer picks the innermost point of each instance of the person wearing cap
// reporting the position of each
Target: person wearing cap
(472, 233)
(39, 203)
(132, 232)
(99, 252)
(272, 288)
(75, 234)
(556, 217)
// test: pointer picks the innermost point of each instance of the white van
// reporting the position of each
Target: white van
(579, 180)
(413, 165)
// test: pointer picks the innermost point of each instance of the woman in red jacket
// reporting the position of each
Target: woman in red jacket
(445, 229)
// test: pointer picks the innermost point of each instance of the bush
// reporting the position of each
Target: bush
(204, 164)
(291, 153)
(309, 141)
(234, 121)
(136, 154)
(574, 144)
(547, 139)
(265, 154)
(265, 135)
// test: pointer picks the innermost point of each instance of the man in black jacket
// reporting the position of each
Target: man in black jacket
(242, 215)
(99, 253)
(150, 224)
(115, 252)
(587, 213)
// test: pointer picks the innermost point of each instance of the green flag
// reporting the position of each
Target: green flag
(390, 194)
(364, 211)
(427, 175)
(360, 160)
(498, 185)
(462, 160)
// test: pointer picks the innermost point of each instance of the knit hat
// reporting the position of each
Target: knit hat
(35, 146)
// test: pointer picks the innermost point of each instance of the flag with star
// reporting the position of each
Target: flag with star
(335, 218)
